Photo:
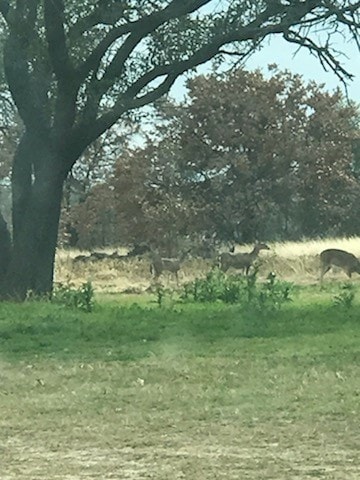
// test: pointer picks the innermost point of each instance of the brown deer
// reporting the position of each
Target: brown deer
(338, 258)
(240, 261)
(160, 264)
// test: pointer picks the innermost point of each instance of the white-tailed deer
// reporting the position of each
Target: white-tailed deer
(338, 258)
(240, 261)
(160, 264)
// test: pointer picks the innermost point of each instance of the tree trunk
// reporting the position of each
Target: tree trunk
(37, 182)
(5, 247)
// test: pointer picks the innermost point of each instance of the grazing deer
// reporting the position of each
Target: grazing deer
(338, 258)
(160, 264)
(240, 261)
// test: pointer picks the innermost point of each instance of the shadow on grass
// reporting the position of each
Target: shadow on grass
(133, 332)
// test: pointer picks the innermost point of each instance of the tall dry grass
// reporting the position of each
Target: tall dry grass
(297, 262)
(314, 247)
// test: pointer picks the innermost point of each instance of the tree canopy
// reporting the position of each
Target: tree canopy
(245, 157)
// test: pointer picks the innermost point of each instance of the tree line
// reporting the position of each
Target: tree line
(246, 156)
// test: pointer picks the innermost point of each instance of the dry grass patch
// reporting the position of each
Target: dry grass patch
(297, 262)
(120, 275)
(179, 417)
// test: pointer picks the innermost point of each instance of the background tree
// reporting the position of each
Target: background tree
(148, 198)
(94, 219)
(74, 68)
(89, 176)
(328, 187)
(246, 157)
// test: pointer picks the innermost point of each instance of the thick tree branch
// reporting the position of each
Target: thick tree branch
(55, 35)
(105, 14)
(142, 26)
(138, 31)
(64, 71)
(276, 18)
(28, 93)
(27, 75)
(4, 8)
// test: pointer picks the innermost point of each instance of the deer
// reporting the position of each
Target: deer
(338, 258)
(241, 261)
(160, 264)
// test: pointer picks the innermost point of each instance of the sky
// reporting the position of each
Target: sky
(287, 56)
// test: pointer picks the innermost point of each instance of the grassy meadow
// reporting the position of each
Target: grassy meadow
(186, 390)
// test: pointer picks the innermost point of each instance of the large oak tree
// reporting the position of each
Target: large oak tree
(244, 157)
(75, 68)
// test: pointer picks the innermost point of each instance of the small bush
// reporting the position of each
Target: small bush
(69, 296)
(244, 290)
(160, 292)
(345, 297)
(273, 293)
(214, 287)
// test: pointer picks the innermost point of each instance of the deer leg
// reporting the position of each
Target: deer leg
(156, 273)
(324, 269)
(223, 268)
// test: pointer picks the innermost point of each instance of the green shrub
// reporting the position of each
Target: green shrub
(69, 296)
(216, 286)
(243, 290)
(345, 297)
(273, 293)
(160, 292)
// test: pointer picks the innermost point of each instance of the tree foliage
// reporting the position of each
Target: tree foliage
(246, 157)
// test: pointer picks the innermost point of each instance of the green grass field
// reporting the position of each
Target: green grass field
(134, 391)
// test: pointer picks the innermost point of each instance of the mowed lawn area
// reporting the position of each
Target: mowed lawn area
(134, 391)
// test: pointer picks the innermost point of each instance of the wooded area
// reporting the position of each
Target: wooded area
(244, 158)
(71, 71)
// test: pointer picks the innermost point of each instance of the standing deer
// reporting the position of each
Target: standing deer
(160, 264)
(240, 261)
(338, 258)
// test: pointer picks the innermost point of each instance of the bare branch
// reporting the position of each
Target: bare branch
(326, 58)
